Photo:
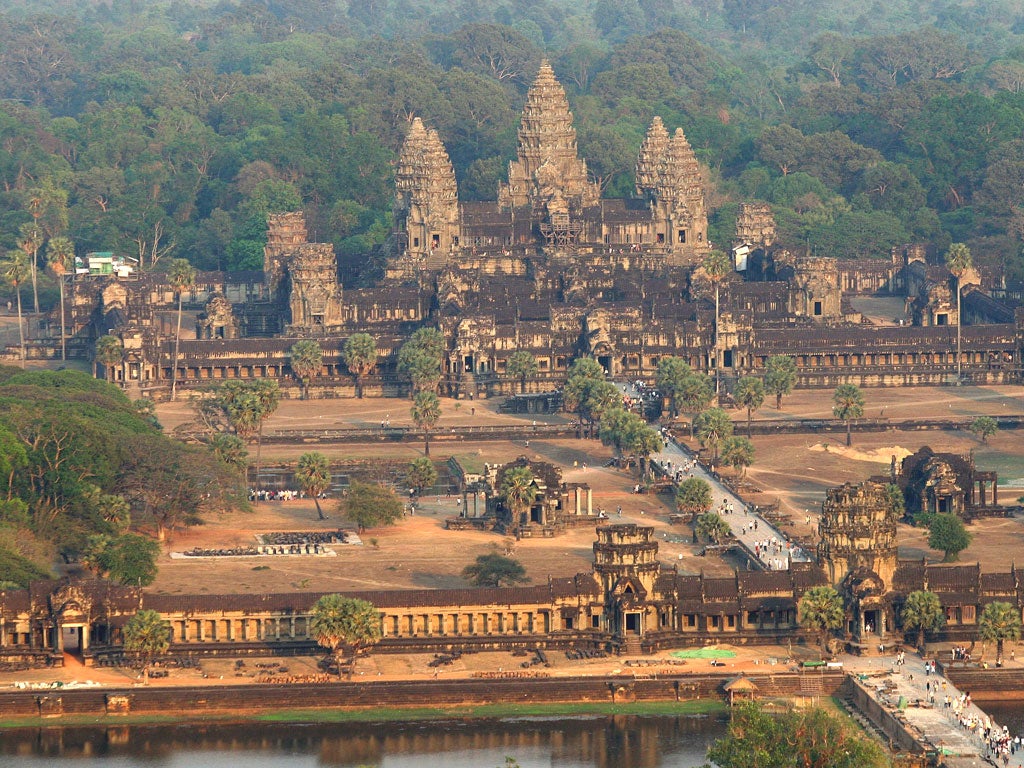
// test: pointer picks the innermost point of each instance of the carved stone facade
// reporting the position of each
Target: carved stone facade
(947, 483)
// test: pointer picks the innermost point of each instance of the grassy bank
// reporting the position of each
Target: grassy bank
(492, 711)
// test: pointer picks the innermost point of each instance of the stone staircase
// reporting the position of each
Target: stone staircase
(631, 646)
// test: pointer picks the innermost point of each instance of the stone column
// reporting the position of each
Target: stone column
(84, 644)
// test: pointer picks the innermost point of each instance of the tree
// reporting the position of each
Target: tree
(712, 527)
(426, 411)
(848, 404)
(128, 559)
(779, 377)
(694, 496)
(337, 622)
(60, 257)
(696, 392)
(948, 534)
(268, 397)
(15, 273)
(229, 449)
(246, 405)
(522, 365)
(820, 609)
(669, 380)
(360, 356)
(109, 353)
(420, 359)
(738, 453)
(306, 358)
(587, 394)
(999, 621)
(30, 240)
(494, 570)
(808, 738)
(717, 266)
(923, 612)
(181, 276)
(984, 427)
(518, 489)
(148, 635)
(749, 393)
(422, 474)
(313, 474)
(712, 427)
(959, 263)
(369, 505)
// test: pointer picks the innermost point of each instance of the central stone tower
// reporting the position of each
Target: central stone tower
(548, 175)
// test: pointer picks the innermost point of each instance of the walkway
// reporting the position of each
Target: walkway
(939, 726)
(756, 534)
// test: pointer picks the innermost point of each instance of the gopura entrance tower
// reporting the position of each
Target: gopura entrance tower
(626, 564)
(858, 551)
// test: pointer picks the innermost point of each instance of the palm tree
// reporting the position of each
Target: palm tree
(780, 376)
(717, 265)
(338, 621)
(694, 496)
(15, 272)
(181, 276)
(109, 352)
(922, 611)
(518, 489)
(821, 610)
(30, 240)
(711, 527)
(306, 359)
(713, 426)
(849, 405)
(360, 356)
(268, 398)
(959, 262)
(147, 634)
(60, 256)
(522, 365)
(426, 410)
(738, 453)
(314, 477)
(999, 621)
(749, 393)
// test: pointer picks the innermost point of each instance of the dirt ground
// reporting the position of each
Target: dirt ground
(420, 553)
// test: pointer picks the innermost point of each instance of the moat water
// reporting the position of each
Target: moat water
(601, 742)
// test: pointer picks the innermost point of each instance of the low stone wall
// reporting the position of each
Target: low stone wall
(900, 736)
(992, 684)
(197, 702)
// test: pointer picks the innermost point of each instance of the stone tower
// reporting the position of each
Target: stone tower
(426, 208)
(755, 225)
(548, 175)
(316, 295)
(858, 534)
(680, 217)
(626, 564)
(285, 232)
(652, 154)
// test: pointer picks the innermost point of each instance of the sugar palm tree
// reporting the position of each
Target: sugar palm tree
(306, 358)
(337, 622)
(60, 256)
(268, 398)
(426, 410)
(521, 365)
(848, 405)
(15, 273)
(314, 477)
(181, 276)
(749, 393)
(821, 610)
(519, 491)
(360, 356)
(958, 261)
(147, 634)
(712, 527)
(109, 353)
(999, 622)
(30, 240)
(717, 265)
(922, 611)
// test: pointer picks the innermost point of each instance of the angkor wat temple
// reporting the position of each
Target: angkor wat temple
(552, 268)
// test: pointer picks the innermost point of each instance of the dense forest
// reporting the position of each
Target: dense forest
(163, 129)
